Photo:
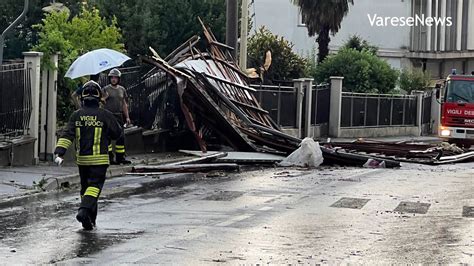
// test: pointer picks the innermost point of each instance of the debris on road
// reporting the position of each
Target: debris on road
(203, 159)
(241, 157)
(185, 168)
(307, 155)
(421, 153)
(339, 156)
(372, 163)
(221, 109)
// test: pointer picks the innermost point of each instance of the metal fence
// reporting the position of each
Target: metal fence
(15, 100)
(426, 115)
(320, 104)
(279, 101)
(153, 102)
(375, 110)
(427, 122)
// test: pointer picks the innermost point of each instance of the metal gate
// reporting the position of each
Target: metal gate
(426, 120)
(15, 100)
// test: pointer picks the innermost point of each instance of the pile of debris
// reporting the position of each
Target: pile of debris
(395, 152)
(209, 161)
(219, 106)
(217, 101)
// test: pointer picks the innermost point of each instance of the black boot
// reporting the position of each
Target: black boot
(121, 159)
(111, 158)
(83, 216)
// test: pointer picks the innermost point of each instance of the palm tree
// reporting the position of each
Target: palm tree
(322, 17)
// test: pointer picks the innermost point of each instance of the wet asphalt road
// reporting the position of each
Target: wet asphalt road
(329, 215)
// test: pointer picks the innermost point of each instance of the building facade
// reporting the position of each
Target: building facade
(409, 33)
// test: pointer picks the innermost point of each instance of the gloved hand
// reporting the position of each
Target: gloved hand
(58, 160)
(128, 122)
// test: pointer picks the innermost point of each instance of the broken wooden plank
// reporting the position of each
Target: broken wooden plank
(229, 82)
(203, 159)
(222, 45)
(250, 158)
(240, 157)
(187, 168)
(198, 153)
(340, 157)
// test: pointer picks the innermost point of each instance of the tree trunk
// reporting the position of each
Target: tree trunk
(323, 43)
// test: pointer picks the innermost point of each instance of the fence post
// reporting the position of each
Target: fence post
(308, 86)
(48, 109)
(298, 84)
(33, 63)
(435, 112)
(419, 113)
(335, 106)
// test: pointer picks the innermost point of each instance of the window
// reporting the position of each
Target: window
(460, 91)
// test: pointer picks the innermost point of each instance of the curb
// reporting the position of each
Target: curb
(55, 183)
(35, 196)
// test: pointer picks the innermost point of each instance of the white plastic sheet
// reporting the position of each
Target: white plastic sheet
(309, 154)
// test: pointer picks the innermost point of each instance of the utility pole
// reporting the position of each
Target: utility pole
(231, 25)
(244, 24)
(10, 27)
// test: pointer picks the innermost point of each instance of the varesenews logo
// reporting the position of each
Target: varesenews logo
(379, 21)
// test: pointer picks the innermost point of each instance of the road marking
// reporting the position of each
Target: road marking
(235, 219)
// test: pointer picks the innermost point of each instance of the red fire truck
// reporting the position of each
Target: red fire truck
(457, 110)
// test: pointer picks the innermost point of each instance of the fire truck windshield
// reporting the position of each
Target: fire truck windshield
(460, 91)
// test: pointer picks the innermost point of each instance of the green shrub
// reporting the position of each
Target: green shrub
(286, 64)
(359, 44)
(414, 79)
(362, 71)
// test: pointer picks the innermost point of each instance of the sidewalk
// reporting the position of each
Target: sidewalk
(21, 180)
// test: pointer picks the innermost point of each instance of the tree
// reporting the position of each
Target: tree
(286, 64)
(414, 79)
(362, 71)
(322, 17)
(359, 44)
(71, 37)
(163, 24)
(24, 37)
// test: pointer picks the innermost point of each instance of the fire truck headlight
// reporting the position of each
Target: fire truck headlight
(445, 132)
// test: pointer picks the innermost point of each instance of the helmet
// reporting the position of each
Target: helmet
(91, 91)
(115, 73)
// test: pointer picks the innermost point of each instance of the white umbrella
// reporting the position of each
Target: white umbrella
(94, 62)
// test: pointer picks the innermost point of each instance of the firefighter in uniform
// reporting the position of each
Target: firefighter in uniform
(116, 101)
(91, 128)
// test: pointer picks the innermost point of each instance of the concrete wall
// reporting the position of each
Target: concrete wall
(442, 68)
(470, 41)
(291, 131)
(19, 152)
(315, 131)
(373, 132)
(320, 130)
